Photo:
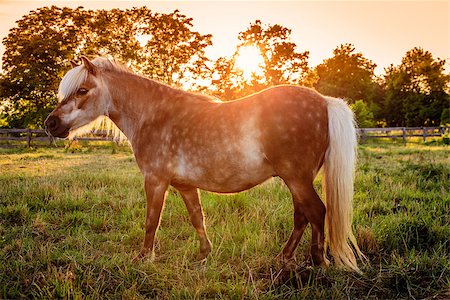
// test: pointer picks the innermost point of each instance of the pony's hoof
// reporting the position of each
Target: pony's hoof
(205, 249)
(281, 258)
(143, 254)
(202, 256)
(320, 262)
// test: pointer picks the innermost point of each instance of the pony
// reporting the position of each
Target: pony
(191, 141)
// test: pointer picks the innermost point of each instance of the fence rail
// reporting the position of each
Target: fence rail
(28, 135)
(401, 132)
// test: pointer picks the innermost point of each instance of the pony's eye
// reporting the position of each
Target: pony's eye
(82, 91)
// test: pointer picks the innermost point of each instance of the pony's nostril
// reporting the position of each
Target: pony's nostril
(52, 123)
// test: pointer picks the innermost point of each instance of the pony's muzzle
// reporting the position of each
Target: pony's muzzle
(52, 123)
(54, 127)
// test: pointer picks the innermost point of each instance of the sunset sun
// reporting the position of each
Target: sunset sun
(249, 60)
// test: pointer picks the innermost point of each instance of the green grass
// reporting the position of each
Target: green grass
(71, 219)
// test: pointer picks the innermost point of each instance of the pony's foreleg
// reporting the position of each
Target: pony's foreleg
(192, 200)
(156, 192)
(300, 223)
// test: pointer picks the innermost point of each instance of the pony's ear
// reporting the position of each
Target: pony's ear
(73, 63)
(89, 66)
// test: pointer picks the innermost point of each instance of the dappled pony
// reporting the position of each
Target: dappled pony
(192, 142)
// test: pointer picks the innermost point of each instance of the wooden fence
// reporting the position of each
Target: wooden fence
(401, 132)
(29, 135)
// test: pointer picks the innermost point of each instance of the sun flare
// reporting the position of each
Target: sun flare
(249, 61)
(143, 39)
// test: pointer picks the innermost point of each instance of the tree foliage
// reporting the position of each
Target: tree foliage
(174, 50)
(282, 63)
(363, 115)
(36, 53)
(227, 81)
(348, 74)
(38, 49)
(416, 90)
(445, 116)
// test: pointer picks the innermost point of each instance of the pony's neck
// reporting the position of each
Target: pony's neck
(136, 99)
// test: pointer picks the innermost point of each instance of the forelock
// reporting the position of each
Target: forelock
(71, 82)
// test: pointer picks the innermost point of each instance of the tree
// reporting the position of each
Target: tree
(416, 90)
(36, 54)
(445, 117)
(38, 49)
(282, 63)
(113, 33)
(227, 81)
(346, 75)
(174, 50)
(363, 115)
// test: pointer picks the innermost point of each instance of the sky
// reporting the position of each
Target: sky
(382, 30)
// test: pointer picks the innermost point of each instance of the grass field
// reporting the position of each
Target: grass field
(72, 219)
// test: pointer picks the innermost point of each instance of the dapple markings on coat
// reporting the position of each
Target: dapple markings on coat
(190, 141)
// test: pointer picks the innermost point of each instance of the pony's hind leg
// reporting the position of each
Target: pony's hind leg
(192, 200)
(306, 199)
(300, 223)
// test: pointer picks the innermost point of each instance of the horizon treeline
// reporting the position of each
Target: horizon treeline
(165, 47)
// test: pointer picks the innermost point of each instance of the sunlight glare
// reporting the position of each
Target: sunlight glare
(143, 39)
(249, 61)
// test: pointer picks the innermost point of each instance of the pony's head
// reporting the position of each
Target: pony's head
(83, 98)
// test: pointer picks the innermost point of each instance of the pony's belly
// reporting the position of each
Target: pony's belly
(226, 179)
(231, 185)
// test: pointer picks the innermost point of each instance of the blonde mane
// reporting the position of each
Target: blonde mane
(72, 81)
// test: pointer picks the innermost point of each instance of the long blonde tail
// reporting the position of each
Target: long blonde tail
(338, 177)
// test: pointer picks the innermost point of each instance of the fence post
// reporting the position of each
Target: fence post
(28, 137)
(404, 135)
(363, 136)
(424, 134)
